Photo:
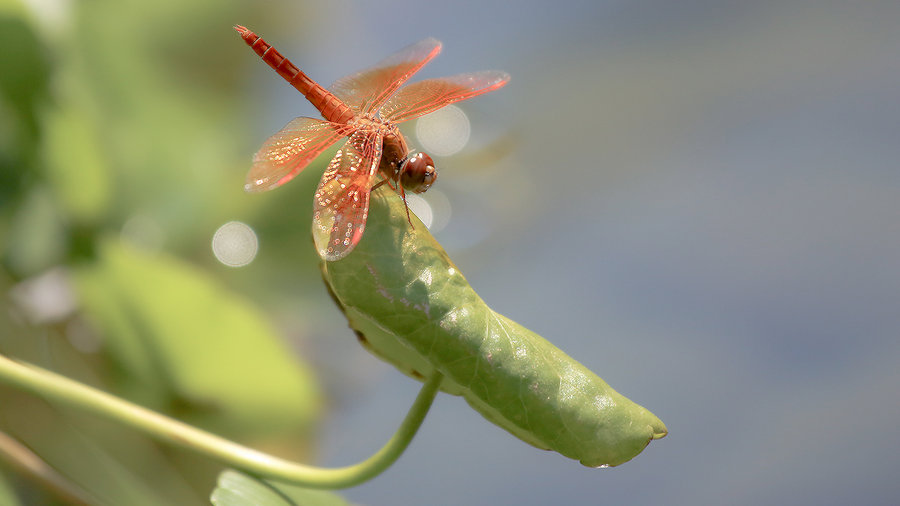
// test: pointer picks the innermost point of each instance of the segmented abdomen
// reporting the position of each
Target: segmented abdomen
(331, 107)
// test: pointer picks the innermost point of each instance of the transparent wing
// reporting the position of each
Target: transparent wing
(342, 199)
(430, 95)
(367, 90)
(289, 151)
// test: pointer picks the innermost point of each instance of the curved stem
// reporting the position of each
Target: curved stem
(61, 389)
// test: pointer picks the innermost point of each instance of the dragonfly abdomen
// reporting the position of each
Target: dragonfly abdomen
(331, 107)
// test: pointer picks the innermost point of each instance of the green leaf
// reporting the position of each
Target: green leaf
(76, 166)
(37, 234)
(412, 307)
(238, 489)
(184, 340)
(26, 67)
(7, 492)
(23, 92)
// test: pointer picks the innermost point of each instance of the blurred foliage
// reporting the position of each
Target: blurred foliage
(120, 154)
(163, 354)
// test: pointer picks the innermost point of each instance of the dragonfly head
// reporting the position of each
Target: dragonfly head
(417, 173)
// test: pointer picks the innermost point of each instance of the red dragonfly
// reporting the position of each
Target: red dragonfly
(366, 107)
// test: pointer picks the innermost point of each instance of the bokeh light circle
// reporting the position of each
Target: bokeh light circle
(235, 244)
(443, 132)
(421, 208)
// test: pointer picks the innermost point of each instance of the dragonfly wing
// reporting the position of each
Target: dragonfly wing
(289, 151)
(429, 95)
(342, 199)
(367, 90)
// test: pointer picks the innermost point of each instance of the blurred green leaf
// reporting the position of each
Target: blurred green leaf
(238, 489)
(181, 337)
(413, 308)
(23, 81)
(37, 235)
(7, 493)
(23, 88)
(76, 168)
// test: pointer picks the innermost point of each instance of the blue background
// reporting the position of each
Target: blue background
(702, 204)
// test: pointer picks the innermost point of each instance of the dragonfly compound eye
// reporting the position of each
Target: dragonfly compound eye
(418, 174)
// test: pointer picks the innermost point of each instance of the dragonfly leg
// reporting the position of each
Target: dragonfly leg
(408, 217)
(383, 181)
(402, 195)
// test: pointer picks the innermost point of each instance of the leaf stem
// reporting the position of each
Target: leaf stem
(61, 389)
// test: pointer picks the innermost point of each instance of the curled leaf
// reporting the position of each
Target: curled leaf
(412, 307)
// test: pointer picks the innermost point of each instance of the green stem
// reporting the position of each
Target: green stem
(61, 389)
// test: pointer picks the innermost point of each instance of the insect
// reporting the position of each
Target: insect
(365, 107)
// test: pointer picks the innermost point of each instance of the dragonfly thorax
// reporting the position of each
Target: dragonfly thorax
(415, 173)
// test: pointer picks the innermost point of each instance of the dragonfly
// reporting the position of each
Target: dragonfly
(366, 108)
